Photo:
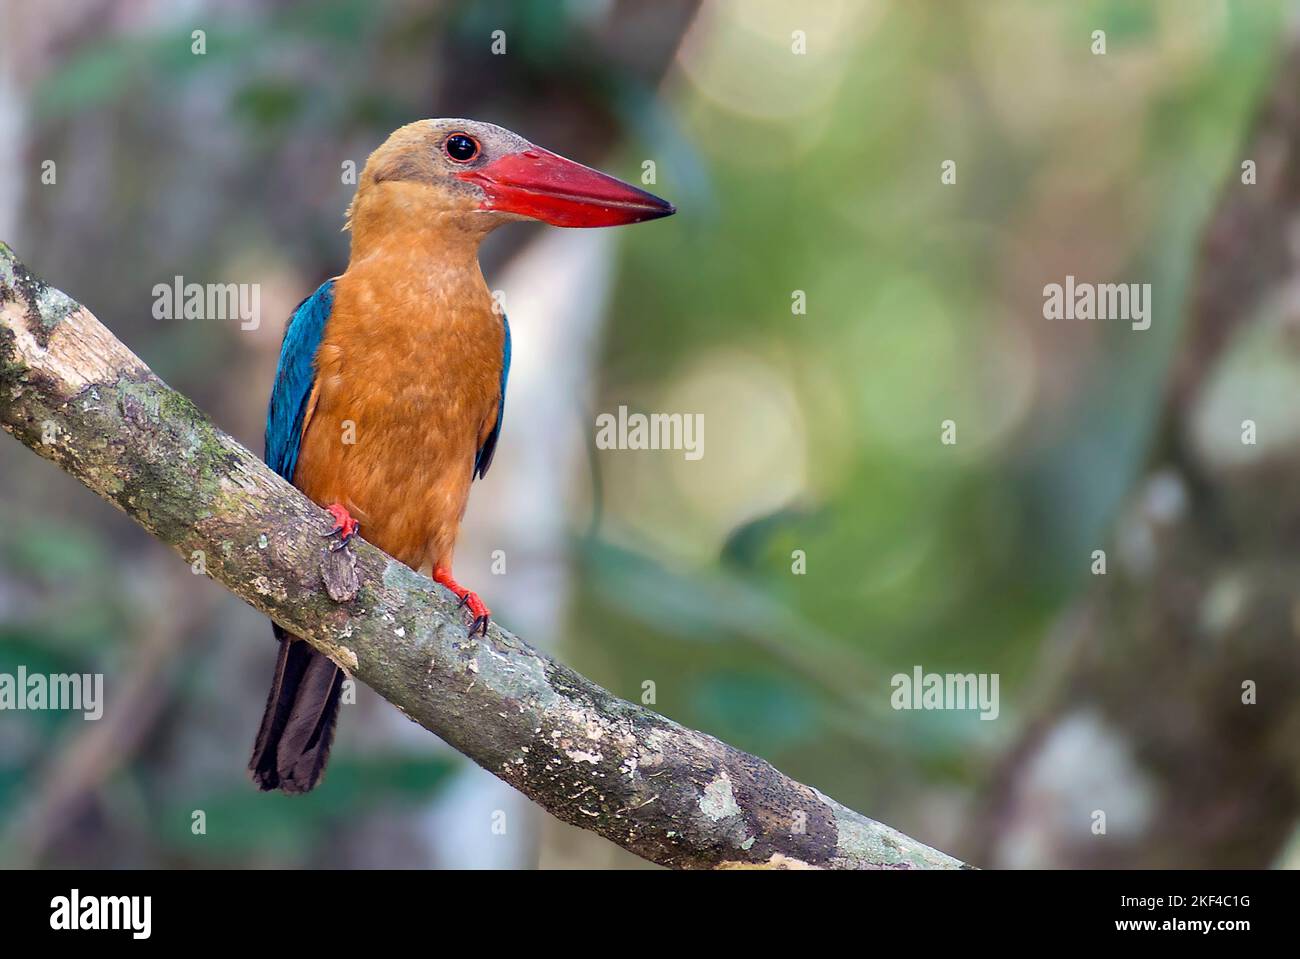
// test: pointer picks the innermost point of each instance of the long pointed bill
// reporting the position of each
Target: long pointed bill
(539, 184)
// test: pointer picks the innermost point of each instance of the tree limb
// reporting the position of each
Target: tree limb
(77, 396)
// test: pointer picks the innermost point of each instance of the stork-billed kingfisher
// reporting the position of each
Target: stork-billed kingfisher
(390, 390)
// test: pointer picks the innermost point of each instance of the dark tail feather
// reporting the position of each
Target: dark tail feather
(298, 725)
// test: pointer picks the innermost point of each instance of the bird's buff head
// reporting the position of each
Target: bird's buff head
(472, 176)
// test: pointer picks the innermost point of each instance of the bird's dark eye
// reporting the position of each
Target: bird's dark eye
(461, 147)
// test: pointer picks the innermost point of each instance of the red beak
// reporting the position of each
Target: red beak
(538, 184)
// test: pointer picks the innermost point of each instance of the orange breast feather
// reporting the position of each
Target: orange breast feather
(407, 386)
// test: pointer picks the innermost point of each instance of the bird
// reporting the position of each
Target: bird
(389, 393)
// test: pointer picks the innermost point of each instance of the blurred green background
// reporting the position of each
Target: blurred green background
(816, 172)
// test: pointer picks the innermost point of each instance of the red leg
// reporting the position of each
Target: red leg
(477, 609)
(344, 525)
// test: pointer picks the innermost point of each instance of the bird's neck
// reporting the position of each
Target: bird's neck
(430, 258)
(440, 244)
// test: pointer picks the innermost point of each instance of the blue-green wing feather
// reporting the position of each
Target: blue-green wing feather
(484, 457)
(294, 377)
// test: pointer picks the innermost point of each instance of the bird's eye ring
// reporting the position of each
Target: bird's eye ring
(461, 147)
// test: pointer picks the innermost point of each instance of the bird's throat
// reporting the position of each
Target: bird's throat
(420, 267)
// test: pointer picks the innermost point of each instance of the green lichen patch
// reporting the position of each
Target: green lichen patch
(46, 307)
(11, 370)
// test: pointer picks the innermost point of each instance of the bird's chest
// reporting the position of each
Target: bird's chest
(406, 389)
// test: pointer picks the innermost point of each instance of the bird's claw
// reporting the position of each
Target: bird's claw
(479, 611)
(345, 527)
(477, 608)
(479, 624)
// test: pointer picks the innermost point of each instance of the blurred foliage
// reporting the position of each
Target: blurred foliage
(924, 304)
(277, 827)
(816, 172)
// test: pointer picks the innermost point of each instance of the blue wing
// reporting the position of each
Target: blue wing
(294, 377)
(484, 458)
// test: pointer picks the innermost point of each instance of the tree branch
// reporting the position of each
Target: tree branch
(74, 394)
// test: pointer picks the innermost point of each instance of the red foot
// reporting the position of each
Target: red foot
(344, 525)
(477, 609)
